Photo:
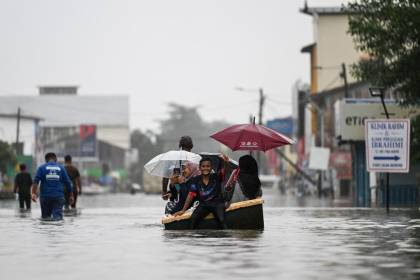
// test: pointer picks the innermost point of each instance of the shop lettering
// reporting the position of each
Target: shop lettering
(355, 120)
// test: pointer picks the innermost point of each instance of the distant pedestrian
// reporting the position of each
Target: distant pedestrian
(23, 182)
(74, 175)
(185, 144)
(52, 177)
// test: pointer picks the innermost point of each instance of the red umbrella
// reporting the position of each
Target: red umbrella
(251, 137)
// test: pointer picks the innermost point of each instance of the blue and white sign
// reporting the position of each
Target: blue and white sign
(388, 145)
(282, 125)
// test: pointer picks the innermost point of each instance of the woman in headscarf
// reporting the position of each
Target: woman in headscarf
(244, 183)
(179, 187)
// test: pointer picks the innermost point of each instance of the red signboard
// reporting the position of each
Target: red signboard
(341, 161)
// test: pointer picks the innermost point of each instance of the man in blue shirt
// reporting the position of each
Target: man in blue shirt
(52, 178)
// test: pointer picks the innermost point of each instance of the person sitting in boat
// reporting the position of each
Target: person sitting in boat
(179, 187)
(244, 183)
(207, 188)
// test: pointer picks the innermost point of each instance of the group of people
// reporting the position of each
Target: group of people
(59, 186)
(213, 189)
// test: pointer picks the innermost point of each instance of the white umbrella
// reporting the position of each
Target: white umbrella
(163, 164)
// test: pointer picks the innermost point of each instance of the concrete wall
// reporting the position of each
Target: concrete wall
(26, 135)
(334, 47)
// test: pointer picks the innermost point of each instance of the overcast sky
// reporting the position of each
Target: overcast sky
(192, 52)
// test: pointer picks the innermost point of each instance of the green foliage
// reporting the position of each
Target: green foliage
(388, 31)
(182, 120)
(7, 156)
(415, 140)
(147, 149)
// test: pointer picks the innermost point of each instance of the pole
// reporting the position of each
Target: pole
(17, 132)
(387, 174)
(260, 111)
(260, 119)
(300, 171)
(344, 76)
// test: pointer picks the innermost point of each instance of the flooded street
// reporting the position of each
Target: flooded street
(120, 237)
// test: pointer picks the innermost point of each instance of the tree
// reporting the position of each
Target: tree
(184, 120)
(388, 31)
(7, 157)
(147, 146)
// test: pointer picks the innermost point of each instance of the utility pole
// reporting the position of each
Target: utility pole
(17, 132)
(379, 92)
(260, 111)
(260, 118)
(343, 75)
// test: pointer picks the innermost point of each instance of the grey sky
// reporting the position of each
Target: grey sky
(188, 51)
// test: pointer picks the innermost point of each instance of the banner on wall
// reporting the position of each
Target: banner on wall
(87, 140)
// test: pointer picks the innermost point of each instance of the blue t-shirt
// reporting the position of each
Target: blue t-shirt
(208, 194)
(53, 177)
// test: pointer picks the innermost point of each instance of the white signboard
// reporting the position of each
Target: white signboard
(388, 145)
(319, 158)
(350, 115)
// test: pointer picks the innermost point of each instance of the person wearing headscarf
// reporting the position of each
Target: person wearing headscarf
(244, 183)
(179, 187)
(185, 144)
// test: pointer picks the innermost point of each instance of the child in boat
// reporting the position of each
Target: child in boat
(180, 187)
(207, 188)
(244, 183)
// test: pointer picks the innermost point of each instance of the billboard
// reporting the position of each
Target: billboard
(350, 115)
(282, 125)
(87, 140)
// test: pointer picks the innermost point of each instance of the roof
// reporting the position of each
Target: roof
(308, 48)
(25, 117)
(70, 110)
(337, 90)
(323, 10)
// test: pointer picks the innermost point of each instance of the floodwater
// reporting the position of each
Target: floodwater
(120, 237)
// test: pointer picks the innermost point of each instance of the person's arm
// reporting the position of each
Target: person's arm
(34, 192)
(16, 187)
(225, 167)
(79, 183)
(187, 204)
(165, 194)
(34, 188)
(191, 195)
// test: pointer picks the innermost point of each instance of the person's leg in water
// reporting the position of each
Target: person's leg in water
(28, 201)
(57, 208)
(198, 215)
(219, 214)
(46, 208)
(73, 205)
(21, 201)
(67, 200)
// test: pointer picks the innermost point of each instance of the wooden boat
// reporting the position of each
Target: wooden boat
(246, 214)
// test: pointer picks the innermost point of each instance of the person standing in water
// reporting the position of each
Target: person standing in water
(185, 144)
(74, 175)
(23, 182)
(52, 177)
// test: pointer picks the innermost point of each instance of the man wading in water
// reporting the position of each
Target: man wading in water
(52, 177)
